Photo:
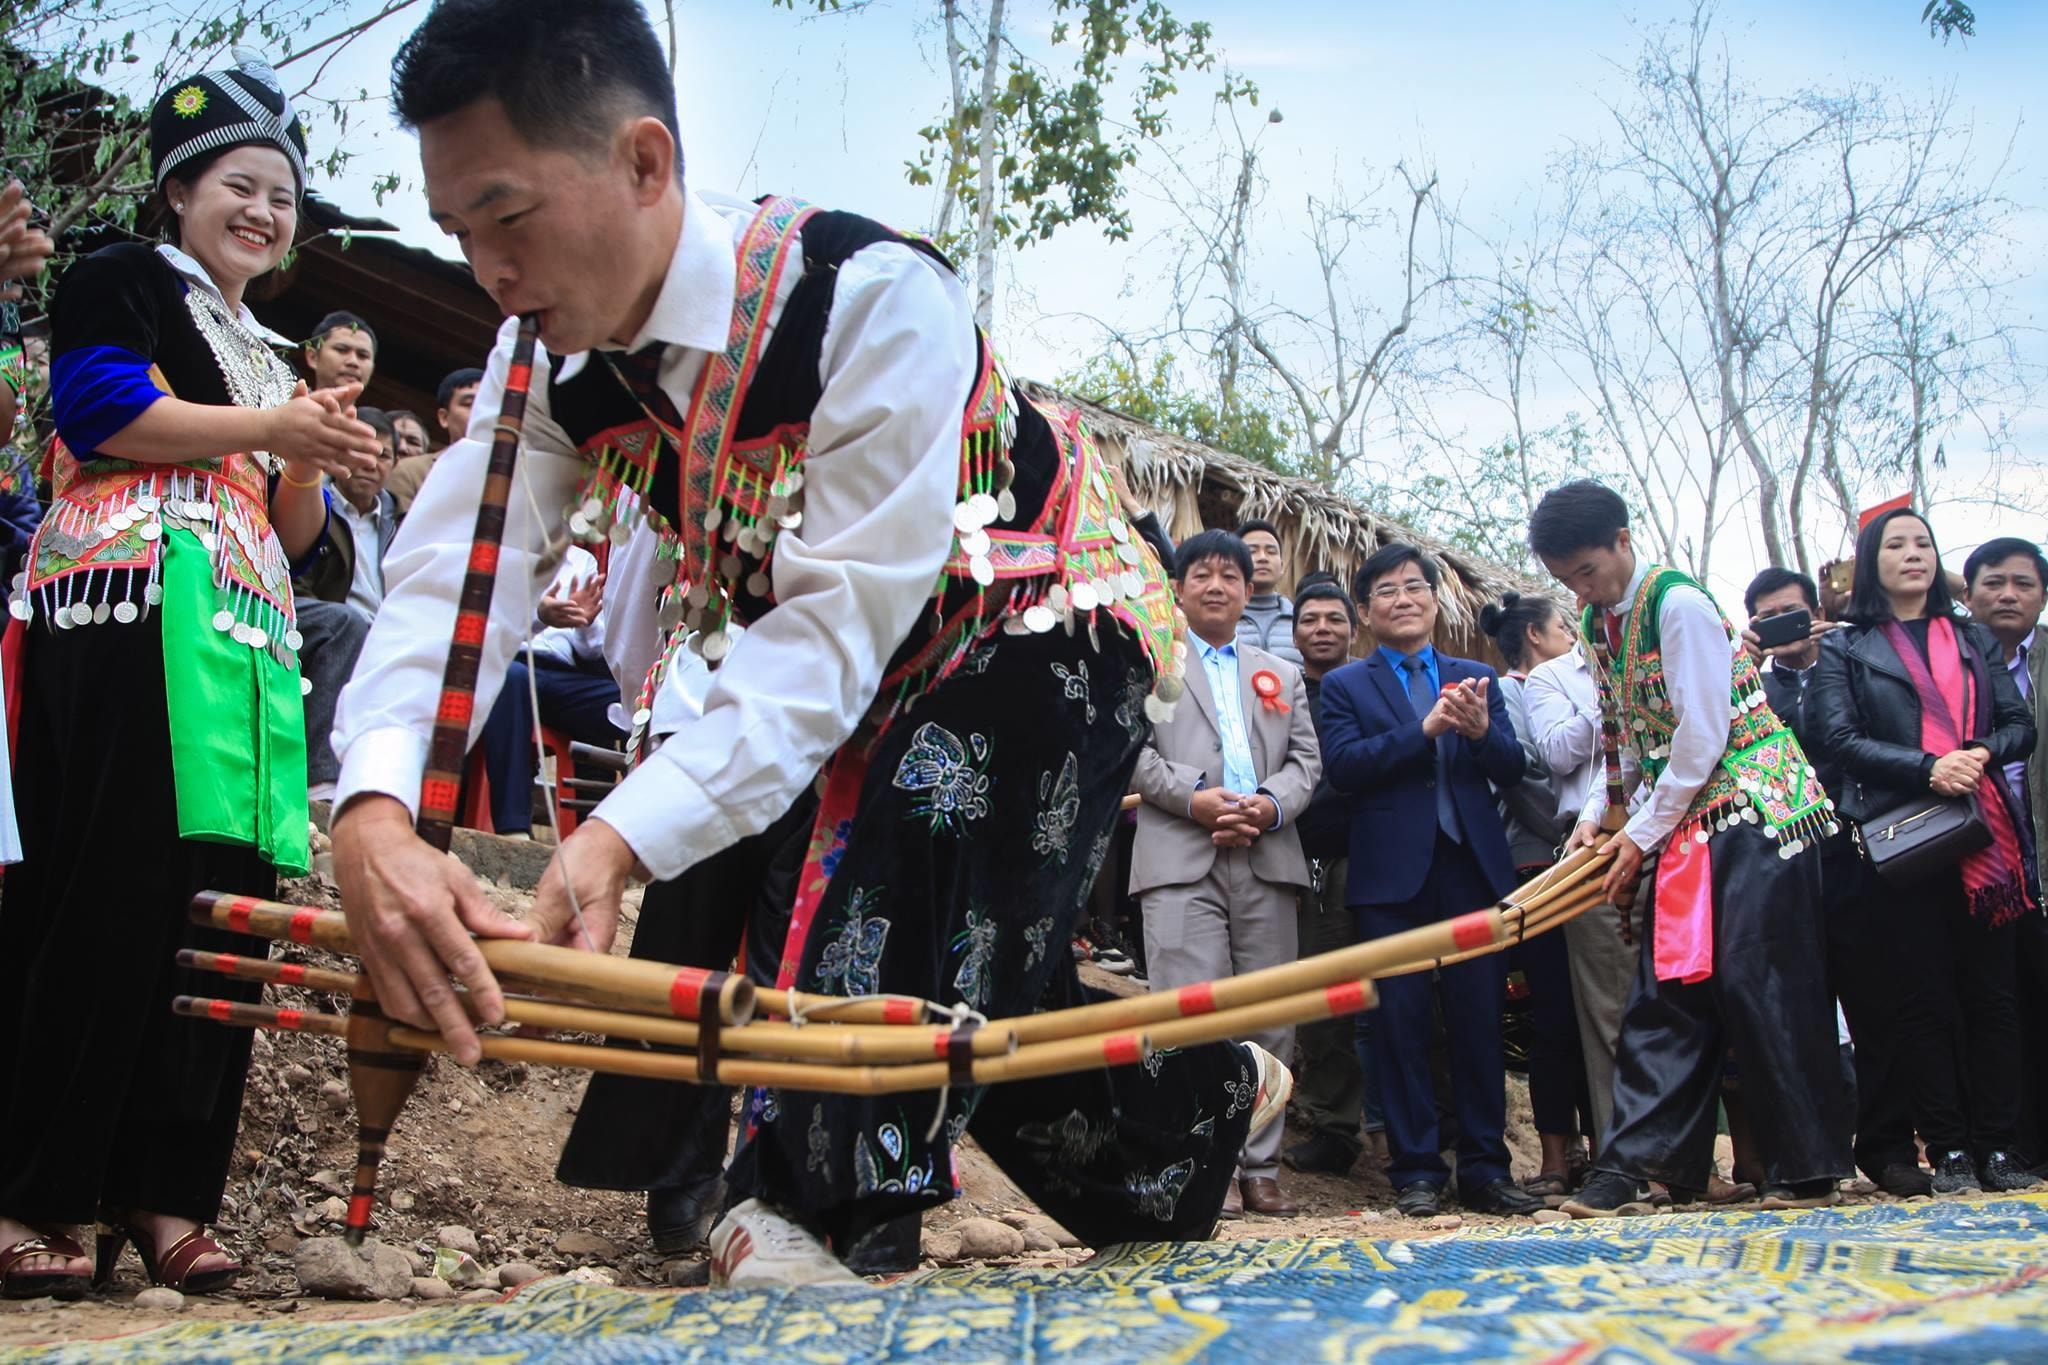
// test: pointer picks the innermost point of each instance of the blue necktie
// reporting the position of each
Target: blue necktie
(1419, 697)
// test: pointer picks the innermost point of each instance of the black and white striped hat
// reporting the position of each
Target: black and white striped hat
(234, 108)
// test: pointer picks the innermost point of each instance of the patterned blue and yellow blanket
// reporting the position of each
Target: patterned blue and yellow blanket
(1926, 1281)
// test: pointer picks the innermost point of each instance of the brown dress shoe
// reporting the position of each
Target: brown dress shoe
(1233, 1203)
(1262, 1195)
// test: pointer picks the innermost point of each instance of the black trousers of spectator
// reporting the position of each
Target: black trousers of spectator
(1958, 1016)
(2033, 994)
(1557, 1065)
(1469, 994)
(1863, 974)
(576, 698)
(1767, 1000)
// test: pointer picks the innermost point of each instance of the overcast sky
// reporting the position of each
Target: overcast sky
(1485, 91)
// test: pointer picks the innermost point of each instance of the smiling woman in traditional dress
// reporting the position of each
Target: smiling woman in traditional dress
(161, 745)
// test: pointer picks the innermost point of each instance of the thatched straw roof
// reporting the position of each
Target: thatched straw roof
(1192, 486)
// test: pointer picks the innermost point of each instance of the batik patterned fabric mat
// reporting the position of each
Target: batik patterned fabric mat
(1926, 1281)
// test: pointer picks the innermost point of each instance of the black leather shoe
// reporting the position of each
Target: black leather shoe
(1608, 1195)
(2004, 1173)
(1905, 1180)
(1502, 1196)
(1325, 1152)
(679, 1217)
(1420, 1200)
(1955, 1173)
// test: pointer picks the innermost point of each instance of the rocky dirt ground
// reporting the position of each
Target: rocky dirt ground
(468, 1194)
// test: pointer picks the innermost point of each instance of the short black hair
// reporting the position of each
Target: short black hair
(1997, 552)
(1582, 514)
(453, 380)
(1245, 528)
(1324, 588)
(1869, 603)
(1508, 623)
(340, 318)
(1212, 544)
(566, 74)
(1385, 560)
(378, 421)
(1775, 579)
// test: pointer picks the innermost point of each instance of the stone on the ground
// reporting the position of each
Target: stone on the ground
(479, 1296)
(430, 1287)
(941, 1246)
(332, 1269)
(688, 1274)
(157, 1299)
(582, 1242)
(458, 1237)
(1016, 1218)
(281, 1241)
(1036, 1240)
(458, 1268)
(296, 1075)
(335, 1095)
(1051, 1231)
(515, 1273)
(403, 1200)
(1551, 1216)
(1447, 1220)
(983, 1239)
(593, 1274)
(334, 1208)
(330, 1181)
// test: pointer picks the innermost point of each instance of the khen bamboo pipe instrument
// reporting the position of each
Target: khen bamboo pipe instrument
(844, 1043)
(653, 987)
(379, 1037)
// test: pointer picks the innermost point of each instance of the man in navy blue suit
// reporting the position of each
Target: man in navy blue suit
(1415, 737)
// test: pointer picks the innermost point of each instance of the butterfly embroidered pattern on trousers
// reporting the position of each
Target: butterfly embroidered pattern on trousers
(946, 787)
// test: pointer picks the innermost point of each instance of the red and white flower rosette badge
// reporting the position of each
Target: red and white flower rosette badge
(1266, 683)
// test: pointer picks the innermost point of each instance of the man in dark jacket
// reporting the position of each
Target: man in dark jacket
(1415, 737)
(1268, 620)
(1333, 1090)
(337, 596)
(1884, 1121)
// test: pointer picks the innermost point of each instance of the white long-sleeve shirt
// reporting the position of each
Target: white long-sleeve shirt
(1697, 657)
(881, 479)
(1564, 725)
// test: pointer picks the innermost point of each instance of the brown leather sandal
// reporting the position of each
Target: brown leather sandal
(36, 1284)
(173, 1268)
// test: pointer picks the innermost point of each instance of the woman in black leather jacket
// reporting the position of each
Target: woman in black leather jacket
(1951, 948)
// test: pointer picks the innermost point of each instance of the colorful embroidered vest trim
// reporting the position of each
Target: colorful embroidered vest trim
(1763, 775)
(1077, 558)
(97, 556)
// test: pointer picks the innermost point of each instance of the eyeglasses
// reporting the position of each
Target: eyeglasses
(1391, 592)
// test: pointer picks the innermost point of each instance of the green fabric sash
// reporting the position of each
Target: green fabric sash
(238, 723)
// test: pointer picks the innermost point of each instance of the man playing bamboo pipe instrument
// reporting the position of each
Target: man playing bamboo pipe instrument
(890, 523)
(1734, 955)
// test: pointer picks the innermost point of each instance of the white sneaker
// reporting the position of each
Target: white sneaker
(755, 1247)
(1276, 1083)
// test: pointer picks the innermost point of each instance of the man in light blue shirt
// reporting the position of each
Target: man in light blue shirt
(1217, 862)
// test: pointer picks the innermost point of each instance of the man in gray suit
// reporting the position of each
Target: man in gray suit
(1218, 865)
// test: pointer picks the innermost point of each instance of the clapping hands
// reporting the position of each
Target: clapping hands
(1460, 709)
(577, 606)
(23, 249)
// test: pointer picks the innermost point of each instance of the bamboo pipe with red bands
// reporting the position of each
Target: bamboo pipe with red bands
(1359, 962)
(873, 1044)
(681, 992)
(270, 969)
